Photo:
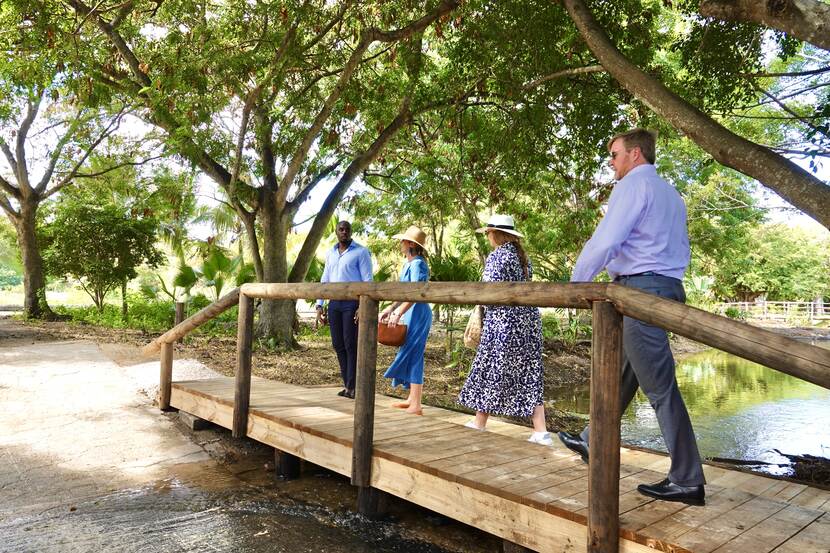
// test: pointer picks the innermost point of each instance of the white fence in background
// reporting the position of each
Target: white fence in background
(812, 311)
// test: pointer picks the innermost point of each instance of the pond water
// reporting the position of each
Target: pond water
(739, 409)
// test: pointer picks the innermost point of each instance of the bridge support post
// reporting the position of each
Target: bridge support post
(287, 465)
(604, 469)
(368, 501)
(165, 376)
(244, 345)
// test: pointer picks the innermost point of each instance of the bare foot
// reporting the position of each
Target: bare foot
(414, 410)
(401, 405)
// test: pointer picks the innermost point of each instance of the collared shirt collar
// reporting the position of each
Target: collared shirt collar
(646, 168)
(352, 244)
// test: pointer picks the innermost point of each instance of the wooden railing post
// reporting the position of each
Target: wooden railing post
(604, 469)
(165, 376)
(244, 344)
(364, 408)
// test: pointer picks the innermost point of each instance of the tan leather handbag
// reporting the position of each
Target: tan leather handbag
(391, 335)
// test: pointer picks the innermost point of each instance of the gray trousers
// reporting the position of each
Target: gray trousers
(648, 364)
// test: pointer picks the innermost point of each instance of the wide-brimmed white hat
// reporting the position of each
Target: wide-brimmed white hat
(413, 234)
(503, 223)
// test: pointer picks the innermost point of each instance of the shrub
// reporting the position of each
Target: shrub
(151, 316)
(735, 313)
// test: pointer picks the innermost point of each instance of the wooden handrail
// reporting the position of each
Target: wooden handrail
(535, 294)
(768, 348)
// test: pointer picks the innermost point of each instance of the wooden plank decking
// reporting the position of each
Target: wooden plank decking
(529, 494)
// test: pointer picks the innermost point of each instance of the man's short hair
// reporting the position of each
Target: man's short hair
(644, 139)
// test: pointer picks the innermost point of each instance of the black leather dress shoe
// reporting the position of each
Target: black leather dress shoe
(350, 394)
(343, 393)
(669, 491)
(575, 443)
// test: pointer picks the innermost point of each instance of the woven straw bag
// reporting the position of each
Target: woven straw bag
(472, 334)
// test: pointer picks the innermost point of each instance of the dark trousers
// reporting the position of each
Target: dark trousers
(648, 364)
(344, 338)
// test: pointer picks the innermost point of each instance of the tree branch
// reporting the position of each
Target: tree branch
(332, 72)
(6, 206)
(792, 182)
(123, 12)
(790, 74)
(804, 153)
(301, 197)
(325, 30)
(564, 73)
(445, 7)
(117, 41)
(58, 150)
(355, 168)
(20, 147)
(805, 20)
(9, 156)
(77, 175)
(107, 132)
(367, 37)
(9, 188)
(784, 106)
(328, 106)
(240, 142)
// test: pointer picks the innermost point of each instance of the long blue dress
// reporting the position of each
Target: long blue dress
(408, 366)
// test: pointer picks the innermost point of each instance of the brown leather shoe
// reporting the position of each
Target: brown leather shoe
(669, 491)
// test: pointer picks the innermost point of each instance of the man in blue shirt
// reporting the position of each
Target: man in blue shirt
(642, 242)
(347, 261)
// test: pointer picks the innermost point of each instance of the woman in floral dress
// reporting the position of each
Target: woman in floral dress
(507, 373)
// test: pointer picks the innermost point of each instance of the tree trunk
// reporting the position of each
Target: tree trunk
(791, 182)
(807, 20)
(34, 281)
(276, 318)
(124, 300)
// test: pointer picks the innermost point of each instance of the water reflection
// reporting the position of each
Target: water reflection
(740, 410)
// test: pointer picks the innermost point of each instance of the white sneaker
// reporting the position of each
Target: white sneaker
(541, 438)
(472, 424)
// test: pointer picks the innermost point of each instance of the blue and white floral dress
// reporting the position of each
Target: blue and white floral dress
(507, 373)
(408, 366)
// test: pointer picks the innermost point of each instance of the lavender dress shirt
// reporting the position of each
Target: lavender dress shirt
(353, 265)
(644, 229)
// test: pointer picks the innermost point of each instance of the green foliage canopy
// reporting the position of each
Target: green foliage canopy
(778, 262)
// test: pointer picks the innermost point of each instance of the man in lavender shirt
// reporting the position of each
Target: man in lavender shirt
(642, 242)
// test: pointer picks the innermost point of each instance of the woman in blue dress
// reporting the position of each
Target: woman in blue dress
(407, 369)
(507, 373)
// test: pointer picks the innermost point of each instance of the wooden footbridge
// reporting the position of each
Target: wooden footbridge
(541, 498)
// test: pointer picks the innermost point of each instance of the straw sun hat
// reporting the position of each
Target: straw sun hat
(413, 234)
(503, 223)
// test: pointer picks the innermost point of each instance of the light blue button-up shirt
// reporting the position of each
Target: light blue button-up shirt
(353, 265)
(644, 229)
